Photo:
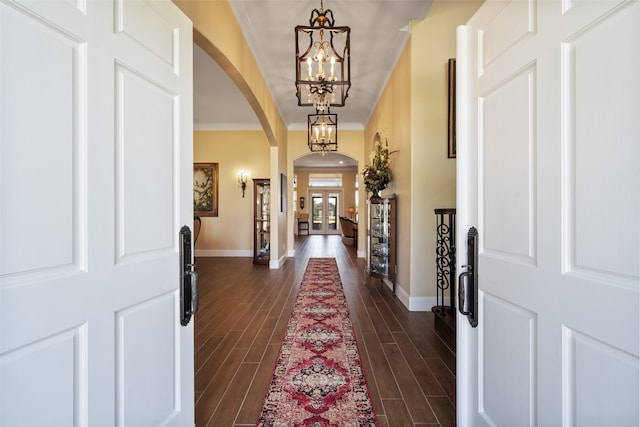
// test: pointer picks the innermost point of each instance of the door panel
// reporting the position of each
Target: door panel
(510, 351)
(557, 341)
(595, 397)
(96, 152)
(50, 181)
(509, 204)
(588, 144)
(146, 24)
(142, 384)
(60, 360)
(142, 208)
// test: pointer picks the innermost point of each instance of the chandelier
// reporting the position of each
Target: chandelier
(323, 132)
(322, 61)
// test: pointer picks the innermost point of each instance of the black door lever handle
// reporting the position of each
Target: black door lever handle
(468, 280)
(188, 279)
(194, 288)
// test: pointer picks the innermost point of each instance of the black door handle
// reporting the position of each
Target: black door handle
(468, 280)
(188, 279)
(193, 275)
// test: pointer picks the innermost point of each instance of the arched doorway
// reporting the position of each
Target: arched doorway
(329, 186)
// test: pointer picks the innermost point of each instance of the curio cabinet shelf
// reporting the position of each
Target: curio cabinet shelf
(381, 238)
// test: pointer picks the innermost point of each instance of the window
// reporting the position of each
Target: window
(325, 180)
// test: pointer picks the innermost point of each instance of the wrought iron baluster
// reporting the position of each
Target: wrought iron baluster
(445, 258)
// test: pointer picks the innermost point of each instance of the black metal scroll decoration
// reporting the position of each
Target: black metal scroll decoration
(445, 260)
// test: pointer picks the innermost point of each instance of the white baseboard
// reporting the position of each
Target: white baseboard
(274, 265)
(404, 297)
(414, 303)
(422, 303)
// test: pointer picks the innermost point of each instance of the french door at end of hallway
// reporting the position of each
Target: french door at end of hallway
(325, 205)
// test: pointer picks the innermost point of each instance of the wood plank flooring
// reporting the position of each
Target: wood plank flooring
(244, 310)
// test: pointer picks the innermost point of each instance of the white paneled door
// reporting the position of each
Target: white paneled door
(96, 166)
(548, 139)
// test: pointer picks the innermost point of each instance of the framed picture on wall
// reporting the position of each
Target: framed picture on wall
(452, 109)
(205, 189)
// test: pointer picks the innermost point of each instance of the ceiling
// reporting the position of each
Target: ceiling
(379, 31)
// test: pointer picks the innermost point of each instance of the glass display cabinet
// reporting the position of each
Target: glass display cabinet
(261, 221)
(381, 238)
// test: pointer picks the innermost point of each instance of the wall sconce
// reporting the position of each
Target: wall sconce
(351, 212)
(242, 181)
(301, 202)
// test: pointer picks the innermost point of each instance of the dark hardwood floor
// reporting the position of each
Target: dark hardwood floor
(244, 310)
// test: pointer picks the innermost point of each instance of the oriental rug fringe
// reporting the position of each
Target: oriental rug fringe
(318, 379)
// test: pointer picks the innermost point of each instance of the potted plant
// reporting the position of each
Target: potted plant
(378, 174)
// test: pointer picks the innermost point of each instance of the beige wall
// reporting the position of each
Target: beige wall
(392, 119)
(412, 114)
(230, 233)
(434, 177)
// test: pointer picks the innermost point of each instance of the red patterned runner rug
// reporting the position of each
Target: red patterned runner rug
(318, 379)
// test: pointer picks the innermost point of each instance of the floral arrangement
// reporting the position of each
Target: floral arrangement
(378, 174)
